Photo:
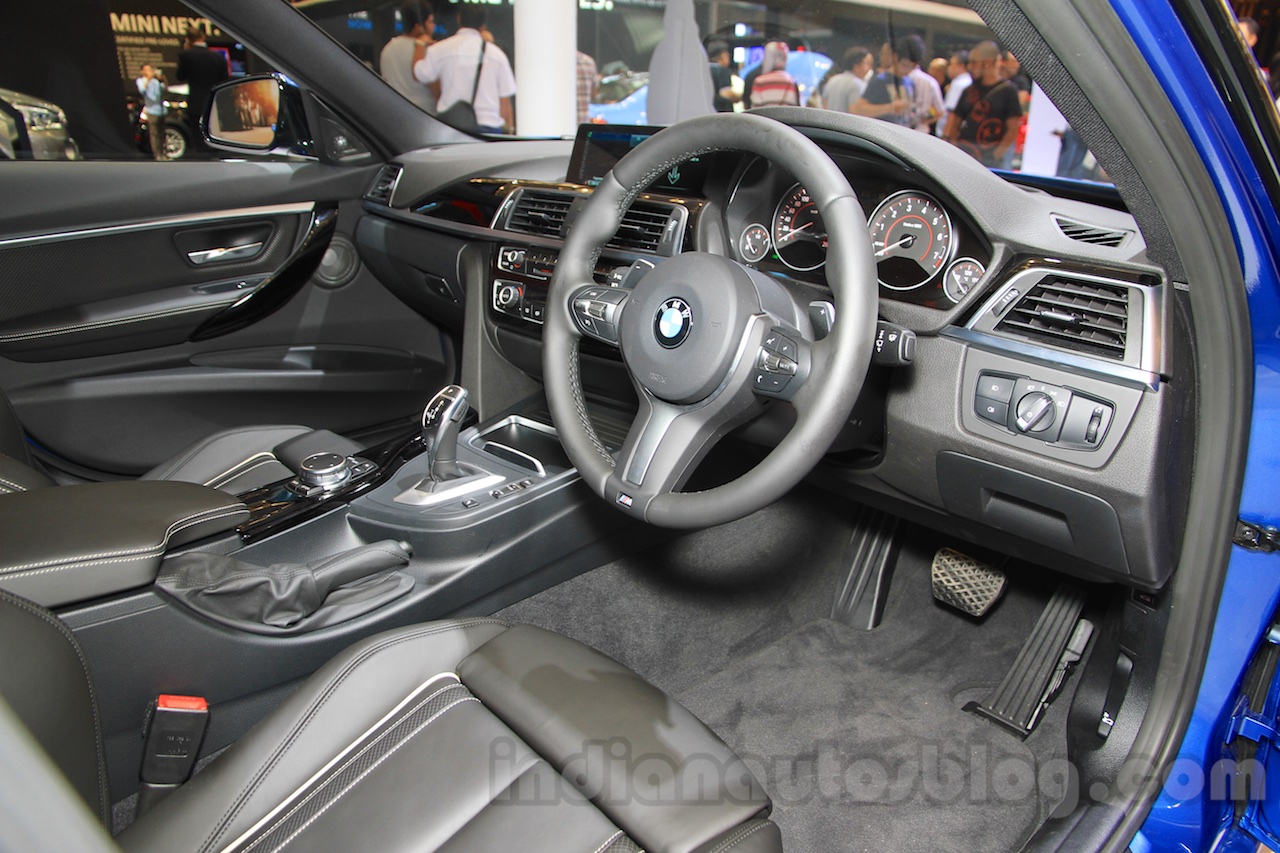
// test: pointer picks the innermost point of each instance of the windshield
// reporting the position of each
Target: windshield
(933, 66)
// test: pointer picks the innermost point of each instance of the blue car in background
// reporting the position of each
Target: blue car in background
(808, 67)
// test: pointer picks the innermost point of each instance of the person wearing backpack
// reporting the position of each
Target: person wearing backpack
(470, 77)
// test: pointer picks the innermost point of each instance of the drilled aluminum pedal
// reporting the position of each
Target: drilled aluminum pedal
(965, 583)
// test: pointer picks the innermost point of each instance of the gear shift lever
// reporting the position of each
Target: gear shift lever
(441, 420)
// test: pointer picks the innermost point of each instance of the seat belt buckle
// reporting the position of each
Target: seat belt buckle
(173, 740)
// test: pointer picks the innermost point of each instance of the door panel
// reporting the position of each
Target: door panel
(118, 350)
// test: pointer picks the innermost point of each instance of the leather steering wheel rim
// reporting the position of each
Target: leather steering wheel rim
(839, 360)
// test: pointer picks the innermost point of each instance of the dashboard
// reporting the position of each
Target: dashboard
(1049, 347)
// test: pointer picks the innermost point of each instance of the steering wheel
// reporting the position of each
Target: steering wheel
(707, 341)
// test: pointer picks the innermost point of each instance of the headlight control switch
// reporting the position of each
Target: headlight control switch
(1051, 413)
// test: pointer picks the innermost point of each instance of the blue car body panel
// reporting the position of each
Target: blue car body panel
(1189, 815)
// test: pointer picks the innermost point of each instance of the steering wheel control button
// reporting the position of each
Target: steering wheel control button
(673, 322)
(770, 383)
(776, 342)
(991, 410)
(894, 346)
(596, 311)
(994, 386)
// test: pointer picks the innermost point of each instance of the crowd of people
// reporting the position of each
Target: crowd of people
(976, 99)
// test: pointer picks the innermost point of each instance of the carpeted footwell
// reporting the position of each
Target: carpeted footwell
(859, 736)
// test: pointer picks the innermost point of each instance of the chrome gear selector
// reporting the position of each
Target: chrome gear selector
(441, 421)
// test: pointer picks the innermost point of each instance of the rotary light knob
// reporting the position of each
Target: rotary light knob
(508, 295)
(1035, 412)
(325, 470)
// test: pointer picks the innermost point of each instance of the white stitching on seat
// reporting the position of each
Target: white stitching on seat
(209, 441)
(325, 770)
(418, 730)
(241, 468)
(739, 838)
(608, 841)
(316, 704)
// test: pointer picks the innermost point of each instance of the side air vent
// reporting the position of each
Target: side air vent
(1079, 315)
(643, 227)
(1094, 234)
(384, 184)
(539, 212)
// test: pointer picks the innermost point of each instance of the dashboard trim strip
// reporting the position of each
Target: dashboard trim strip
(1055, 358)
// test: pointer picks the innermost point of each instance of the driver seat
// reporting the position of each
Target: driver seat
(447, 736)
(233, 460)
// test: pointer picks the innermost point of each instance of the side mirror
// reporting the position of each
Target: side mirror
(261, 114)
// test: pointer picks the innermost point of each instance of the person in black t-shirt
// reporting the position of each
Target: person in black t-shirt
(723, 94)
(985, 122)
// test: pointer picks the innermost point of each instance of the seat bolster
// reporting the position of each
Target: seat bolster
(651, 766)
(17, 476)
(757, 836)
(331, 710)
(233, 460)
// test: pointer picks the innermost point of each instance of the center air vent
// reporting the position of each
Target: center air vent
(539, 212)
(1095, 234)
(644, 226)
(384, 184)
(1079, 315)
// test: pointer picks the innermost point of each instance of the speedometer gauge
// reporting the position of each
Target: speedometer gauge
(912, 239)
(799, 237)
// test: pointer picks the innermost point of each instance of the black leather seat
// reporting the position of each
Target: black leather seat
(234, 460)
(461, 735)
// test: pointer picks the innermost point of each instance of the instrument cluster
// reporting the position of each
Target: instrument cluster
(924, 253)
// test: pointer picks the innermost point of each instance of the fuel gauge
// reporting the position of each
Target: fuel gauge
(961, 277)
(753, 245)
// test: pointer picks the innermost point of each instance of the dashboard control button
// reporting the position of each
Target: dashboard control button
(1006, 301)
(1086, 423)
(993, 386)
(894, 346)
(1035, 412)
(991, 410)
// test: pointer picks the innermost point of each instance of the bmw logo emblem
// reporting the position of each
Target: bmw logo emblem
(673, 322)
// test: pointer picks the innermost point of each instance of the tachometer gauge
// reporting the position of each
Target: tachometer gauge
(799, 237)
(961, 276)
(912, 239)
(753, 245)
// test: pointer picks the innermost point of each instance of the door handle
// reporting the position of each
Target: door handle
(225, 253)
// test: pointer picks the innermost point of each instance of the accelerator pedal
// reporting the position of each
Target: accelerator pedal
(964, 583)
(1057, 641)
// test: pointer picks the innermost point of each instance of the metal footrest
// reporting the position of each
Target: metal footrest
(964, 583)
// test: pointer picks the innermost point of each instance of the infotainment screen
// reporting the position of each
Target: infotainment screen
(599, 146)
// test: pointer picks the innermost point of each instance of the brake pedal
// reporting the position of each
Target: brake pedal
(969, 585)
